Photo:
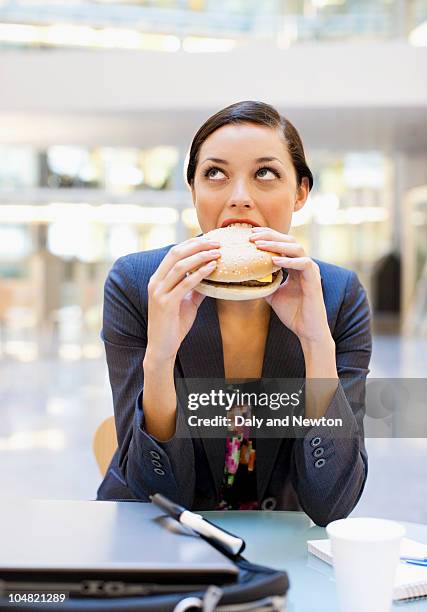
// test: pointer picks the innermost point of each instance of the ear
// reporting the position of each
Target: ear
(302, 194)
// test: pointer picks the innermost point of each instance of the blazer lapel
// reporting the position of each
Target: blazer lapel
(283, 358)
(201, 356)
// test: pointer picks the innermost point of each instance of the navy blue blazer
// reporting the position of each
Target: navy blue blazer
(290, 475)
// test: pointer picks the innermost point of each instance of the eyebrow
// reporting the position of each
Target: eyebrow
(260, 160)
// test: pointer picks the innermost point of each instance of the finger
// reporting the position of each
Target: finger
(290, 249)
(181, 267)
(180, 251)
(197, 298)
(270, 234)
(192, 280)
(306, 264)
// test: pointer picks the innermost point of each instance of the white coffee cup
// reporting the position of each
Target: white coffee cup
(365, 555)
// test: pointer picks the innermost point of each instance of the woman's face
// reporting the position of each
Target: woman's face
(245, 172)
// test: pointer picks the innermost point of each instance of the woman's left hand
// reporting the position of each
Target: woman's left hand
(298, 302)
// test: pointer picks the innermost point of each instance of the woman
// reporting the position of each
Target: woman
(246, 163)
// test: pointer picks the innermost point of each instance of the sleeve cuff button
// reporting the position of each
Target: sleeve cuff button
(316, 441)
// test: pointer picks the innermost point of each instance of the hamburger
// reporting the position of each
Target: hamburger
(243, 271)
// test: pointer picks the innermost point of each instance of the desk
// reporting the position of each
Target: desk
(279, 539)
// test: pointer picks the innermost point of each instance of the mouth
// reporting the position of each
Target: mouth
(235, 221)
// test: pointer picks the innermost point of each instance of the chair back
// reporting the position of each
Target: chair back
(105, 444)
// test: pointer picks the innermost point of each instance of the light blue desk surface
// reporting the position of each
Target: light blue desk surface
(279, 539)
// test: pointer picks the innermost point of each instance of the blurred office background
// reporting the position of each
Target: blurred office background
(99, 101)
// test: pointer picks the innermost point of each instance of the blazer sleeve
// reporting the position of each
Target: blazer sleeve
(146, 464)
(329, 471)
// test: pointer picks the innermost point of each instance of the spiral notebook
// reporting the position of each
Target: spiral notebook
(411, 580)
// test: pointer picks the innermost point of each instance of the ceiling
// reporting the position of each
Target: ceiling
(396, 129)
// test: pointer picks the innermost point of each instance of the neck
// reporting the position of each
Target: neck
(243, 308)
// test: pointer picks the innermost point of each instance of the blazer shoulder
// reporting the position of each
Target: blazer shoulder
(130, 274)
(340, 288)
(142, 264)
(333, 274)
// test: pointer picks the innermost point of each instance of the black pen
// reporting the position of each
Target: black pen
(223, 539)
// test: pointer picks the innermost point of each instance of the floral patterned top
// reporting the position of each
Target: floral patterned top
(239, 488)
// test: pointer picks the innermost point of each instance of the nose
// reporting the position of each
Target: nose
(240, 196)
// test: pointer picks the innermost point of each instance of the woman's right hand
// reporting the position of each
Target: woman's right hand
(172, 302)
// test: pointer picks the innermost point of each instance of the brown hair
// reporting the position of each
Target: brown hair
(251, 111)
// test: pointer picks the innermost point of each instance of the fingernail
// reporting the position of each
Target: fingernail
(258, 229)
(262, 242)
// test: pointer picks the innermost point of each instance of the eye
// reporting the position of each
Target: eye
(267, 174)
(214, 174)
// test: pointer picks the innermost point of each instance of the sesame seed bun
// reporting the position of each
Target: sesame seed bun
(240, 262)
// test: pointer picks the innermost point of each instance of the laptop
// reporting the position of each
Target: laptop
(86, 545)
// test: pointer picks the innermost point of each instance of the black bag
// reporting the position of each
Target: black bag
(257, 588)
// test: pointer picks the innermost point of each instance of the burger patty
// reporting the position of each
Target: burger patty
(248, 283)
